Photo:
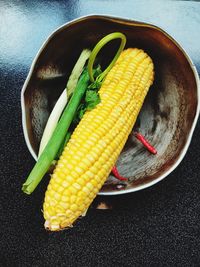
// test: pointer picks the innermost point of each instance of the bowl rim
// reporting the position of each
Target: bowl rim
(137, 23)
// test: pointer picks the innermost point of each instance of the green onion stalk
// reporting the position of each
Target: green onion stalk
(51, 149)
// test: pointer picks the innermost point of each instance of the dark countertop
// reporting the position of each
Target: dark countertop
(158, 226)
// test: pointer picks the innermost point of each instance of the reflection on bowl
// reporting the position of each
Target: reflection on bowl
(170, 111)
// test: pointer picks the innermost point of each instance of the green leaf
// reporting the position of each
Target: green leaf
(95, 86)
(92, 99)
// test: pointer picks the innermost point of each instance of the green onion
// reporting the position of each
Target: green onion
(62, 101)
(51, 149)
(67, 137)
(77, 71)
(52, 121)
(97, 48)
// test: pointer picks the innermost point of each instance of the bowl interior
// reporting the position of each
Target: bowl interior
(169, 110)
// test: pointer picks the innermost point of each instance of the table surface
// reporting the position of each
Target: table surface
(158, 226)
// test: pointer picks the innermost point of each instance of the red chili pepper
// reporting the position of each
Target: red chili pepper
(145, 143)
(117, 175)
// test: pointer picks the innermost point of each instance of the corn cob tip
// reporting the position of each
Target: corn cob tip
(54, 227)
(54, 224)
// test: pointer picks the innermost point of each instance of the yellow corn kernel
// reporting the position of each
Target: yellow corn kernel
(98, 140)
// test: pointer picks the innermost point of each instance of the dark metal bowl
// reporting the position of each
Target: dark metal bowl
(168, 116)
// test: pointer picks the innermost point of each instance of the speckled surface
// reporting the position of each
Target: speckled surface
(155, 227)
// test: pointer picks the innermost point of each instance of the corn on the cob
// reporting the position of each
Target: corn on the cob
(98, 140)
